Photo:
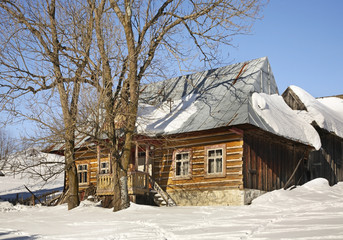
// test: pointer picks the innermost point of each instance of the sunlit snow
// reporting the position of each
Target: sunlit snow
(283, 120)
(334, 103)
(40, 172)
(311, 211)
(165, 116)
(328, 118)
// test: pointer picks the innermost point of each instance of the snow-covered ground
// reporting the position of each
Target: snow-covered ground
(311, 211)
(38, 171)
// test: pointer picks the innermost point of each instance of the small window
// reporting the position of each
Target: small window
(141, 154)
(82, 171)
(182, 163)
(104, 168)
(215, 160)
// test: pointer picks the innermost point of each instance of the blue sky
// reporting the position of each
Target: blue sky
(303, 40)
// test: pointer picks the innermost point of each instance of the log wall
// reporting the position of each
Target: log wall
(328, 161)
(188, 191)
(270, 161)
(88, 156)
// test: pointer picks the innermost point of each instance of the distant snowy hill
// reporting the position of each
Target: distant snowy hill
(40, 172)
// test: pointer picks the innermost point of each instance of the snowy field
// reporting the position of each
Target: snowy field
(311, 211)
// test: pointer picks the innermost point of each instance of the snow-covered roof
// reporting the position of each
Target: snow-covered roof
(327, 113)
(221, 97)
(80, 141)
(283, 121)
(334, 104)
(204, 100)
(226, 96)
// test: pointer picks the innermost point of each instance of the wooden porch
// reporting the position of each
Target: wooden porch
(138, 183)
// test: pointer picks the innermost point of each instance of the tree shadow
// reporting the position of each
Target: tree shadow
(217, 95)
(9, 235)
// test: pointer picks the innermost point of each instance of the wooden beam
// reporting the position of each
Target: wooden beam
(98, 157)
(146, 165)
(33, 196)
(136, 157)
(295, 170)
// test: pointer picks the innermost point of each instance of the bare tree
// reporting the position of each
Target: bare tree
(137, 38)
(45, 46)
(7, 147)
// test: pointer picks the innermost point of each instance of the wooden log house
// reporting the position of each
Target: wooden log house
(95, 177)
(226, 166)
(200, 142)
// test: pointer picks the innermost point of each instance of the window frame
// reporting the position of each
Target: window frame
(102, 168)
(207, 158)
(81, 172)
(182, 151)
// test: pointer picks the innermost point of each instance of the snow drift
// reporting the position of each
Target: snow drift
(327, 113)
(311, 211)
(283, 120)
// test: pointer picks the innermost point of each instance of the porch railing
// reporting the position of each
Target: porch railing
(105, 184)
(138, 183)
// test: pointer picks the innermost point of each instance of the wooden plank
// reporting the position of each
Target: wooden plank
(202, 136)
(234, 163)
(230, 150)
(233, 181)
(198, 162)
(198, 154)
(270, 173)
(263, 174)
(234, 169)
(246, 159)
(282, 165)
(207, 186)
(252, 168)
(234, 155)
(198, 149)
(259, 173)
(210, 141)
(235, 143)
(278, 169)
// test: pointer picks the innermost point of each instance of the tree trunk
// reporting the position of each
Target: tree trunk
(73, 183)
(120, 197)
(129, 103)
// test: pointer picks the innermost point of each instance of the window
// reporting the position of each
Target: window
(215, 160)
(104, 167)
(82, 171)
(182, 163)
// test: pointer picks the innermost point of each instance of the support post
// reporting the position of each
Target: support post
(136, 157)
(98, 157)
(146, 165)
